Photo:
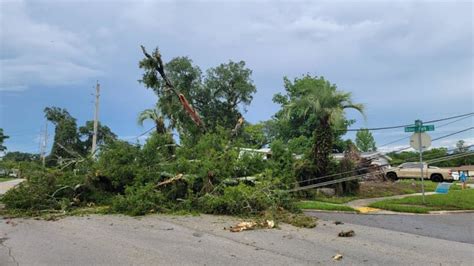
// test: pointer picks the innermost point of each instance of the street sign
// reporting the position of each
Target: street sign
(425, 141)
(419, 128)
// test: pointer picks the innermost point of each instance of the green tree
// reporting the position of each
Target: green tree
(217, 96)
(314, 105)
(86, 133)
(228, 86)
(365, 141)
(253, 135)
(66, 139)
(461, 147)
(154, 115)
(117, 164)
(2, 138)
(17, 156)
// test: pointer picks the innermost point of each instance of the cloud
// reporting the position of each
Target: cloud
(36, 53)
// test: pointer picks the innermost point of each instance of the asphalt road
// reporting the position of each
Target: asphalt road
(202, 240)
(6, 185)
(454, 227)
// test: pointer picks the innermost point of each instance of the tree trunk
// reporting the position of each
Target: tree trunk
(322, 148)
(160, 126)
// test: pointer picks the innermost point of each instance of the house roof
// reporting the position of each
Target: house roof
(464, 168)
(366, 155)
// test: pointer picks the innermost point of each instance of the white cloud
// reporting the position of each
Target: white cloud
(37, 53)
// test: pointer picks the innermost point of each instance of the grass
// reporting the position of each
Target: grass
(454, 200)
(384, 189)
(3, 178)
(318, 205)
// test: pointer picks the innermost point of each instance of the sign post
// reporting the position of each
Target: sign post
(418, 141)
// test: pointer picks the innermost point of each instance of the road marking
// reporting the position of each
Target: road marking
(367, 209)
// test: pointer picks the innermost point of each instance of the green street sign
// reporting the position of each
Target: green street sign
(418, 129)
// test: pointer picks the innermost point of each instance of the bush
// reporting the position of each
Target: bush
(45, 190)
(139, 200)
(249, 164)
(244, 200)
(117, 165)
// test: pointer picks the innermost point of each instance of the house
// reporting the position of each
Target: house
(266, 153)
(377, 158)
(465, 168)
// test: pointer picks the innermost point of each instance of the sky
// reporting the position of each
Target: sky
(404, 60)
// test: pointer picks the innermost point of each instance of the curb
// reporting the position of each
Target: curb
(385, 212)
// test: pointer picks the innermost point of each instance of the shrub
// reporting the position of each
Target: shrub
(139, 200)
(249, 164)
(244, 200)
(117, 164)
(44, 190)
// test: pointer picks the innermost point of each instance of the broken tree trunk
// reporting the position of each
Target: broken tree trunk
(159, 66)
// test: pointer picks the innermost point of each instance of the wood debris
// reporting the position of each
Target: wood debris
(349, 233)
(337, 257)
(242, 226)
(171, 180)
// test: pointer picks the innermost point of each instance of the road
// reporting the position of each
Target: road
(202, 240)
(455, 227)
(6, 185)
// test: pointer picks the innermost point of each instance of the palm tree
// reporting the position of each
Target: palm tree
(322, 100)
(156, 116)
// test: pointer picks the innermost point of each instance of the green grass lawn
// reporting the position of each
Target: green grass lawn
(318, 205)
(3, 179)
(454, 200)
(384, 189)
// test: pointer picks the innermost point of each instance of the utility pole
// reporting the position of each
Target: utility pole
(44, 142)
(96, 118)
(419, 124)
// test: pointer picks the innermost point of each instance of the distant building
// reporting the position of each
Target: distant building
(465, 168)
(377, 158)
(266, 153)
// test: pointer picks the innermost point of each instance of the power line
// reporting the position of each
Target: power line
(440, 126)
(448, 118)
(445, 136)
(457, 120)
(438, 159)
(142, 134)
(407, 125)
(438, 138)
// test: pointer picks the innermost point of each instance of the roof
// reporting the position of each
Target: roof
(463, 168)
(367, 155)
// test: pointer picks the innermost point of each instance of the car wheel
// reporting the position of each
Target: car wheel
(437, 178)
(392, 176)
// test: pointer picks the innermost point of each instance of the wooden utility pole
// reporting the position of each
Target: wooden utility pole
(44, 142)
(96, 118)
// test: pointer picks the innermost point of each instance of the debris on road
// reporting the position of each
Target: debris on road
(242, 226)
(338, 222)
(349, 233)
(270, 224)
(11, 222)
(337, 257)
